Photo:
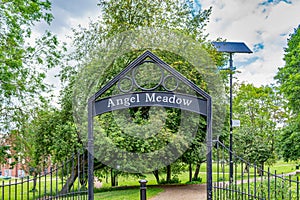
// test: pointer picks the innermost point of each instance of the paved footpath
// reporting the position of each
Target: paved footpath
(182, 192)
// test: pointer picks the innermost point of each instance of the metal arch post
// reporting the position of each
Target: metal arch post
(230, 120)
(209, 151)
(91, 106)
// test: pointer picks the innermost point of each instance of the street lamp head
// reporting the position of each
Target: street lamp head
(231, 47)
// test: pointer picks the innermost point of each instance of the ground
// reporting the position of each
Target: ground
(182, 192)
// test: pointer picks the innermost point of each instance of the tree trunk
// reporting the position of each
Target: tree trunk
(246, 170)
(196, 174)
(83, 183)
(114, 178)
(190, 173)
(168, 179)
(83, 180)
(261, 170)
(156, 175)
(70, 181)
(34, 182)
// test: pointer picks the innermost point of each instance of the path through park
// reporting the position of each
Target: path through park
(182, 192)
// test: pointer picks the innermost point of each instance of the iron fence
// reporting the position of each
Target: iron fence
(67, 180)
(250, 181)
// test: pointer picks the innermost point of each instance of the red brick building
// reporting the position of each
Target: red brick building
(16, 171)
(7, 169)
(19, 169)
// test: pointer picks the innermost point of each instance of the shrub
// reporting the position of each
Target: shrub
(173, 180)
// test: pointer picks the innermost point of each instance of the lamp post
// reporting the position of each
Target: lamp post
(231, 48)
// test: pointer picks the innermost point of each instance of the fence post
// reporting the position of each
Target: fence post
(143, 189)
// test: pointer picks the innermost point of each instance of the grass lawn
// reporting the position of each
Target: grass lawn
(130, 194)
(282, 167)
(16, 189)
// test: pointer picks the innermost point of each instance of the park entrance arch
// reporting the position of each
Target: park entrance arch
(134, 91)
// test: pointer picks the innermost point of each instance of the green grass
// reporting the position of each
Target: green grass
(16, 190)
(130, 181)
(129, 194)
(283, 167)
(280, 167)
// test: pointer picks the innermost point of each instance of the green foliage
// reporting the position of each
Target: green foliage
(289, 141)
(119, 16)
(195, 181)
(288, 78)
(143, 130)
(116, 18)
(279, 189)
(4, 153)
(173, 180)
(258, 109)
(23, 64)
(46, 136)
(132, 14)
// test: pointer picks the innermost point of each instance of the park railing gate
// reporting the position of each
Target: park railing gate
(67, 180)
(250, 181)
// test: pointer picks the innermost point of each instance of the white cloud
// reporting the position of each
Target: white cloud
(251, 22)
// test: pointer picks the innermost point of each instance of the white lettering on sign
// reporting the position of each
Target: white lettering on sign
(172, 100)
(127, 101)
(149, 98)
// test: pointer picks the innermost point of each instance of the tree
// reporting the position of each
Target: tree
(117, 17)
(48, 139)
(289, 141)
(288, 78)
(23, 64)
(258, 109)
(94, 44)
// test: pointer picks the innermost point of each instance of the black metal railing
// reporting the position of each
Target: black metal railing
(250, 182)
(66, 180)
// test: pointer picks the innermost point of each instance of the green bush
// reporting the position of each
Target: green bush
(199, 179)
(195, 181)
(173, 180)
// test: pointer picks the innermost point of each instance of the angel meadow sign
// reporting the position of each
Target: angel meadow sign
(161, 99)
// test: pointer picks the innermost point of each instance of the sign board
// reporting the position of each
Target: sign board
(236, 123)
(163, 99)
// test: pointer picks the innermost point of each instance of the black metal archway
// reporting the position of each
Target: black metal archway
(201, 104)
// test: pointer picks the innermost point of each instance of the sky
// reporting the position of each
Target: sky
(263, 25)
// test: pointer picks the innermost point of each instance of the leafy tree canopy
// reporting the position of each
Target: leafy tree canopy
(119, 16)
(94, 45)
(258, 109)
(288, 78)
(23, 64)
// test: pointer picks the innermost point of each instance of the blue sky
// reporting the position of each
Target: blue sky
(264, 25)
